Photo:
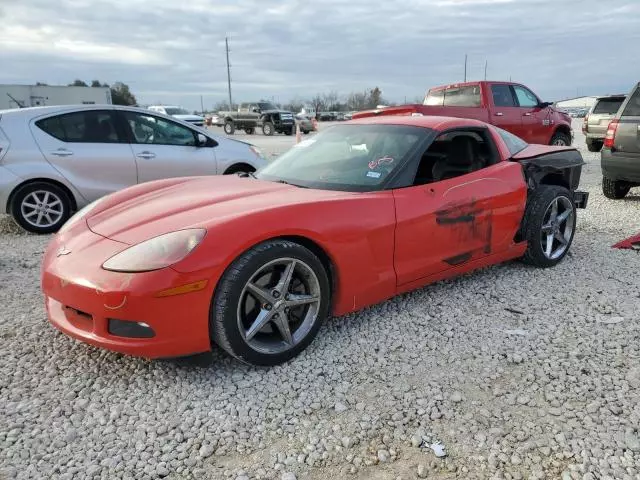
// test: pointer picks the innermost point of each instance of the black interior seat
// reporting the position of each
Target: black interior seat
(462, 158)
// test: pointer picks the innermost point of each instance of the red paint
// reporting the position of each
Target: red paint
(629, 243)
(532, 124)
(380, 243)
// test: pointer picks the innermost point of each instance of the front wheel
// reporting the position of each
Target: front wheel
(249, 131)
(229, 127)
(270, 303)
(615, 189)
(560, 139)
(548, 225)
(267, 128)
(41, 207)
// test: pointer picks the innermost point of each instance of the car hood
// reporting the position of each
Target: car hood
(198, 202)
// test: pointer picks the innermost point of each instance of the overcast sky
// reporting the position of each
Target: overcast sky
(173, 51)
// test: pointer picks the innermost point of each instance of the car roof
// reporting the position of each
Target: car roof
(31, 112)
(604, 97)
(427, 121)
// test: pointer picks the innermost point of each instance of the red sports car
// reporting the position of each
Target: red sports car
(361, 212)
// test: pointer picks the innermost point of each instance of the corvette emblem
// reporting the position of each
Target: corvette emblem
(63, 251)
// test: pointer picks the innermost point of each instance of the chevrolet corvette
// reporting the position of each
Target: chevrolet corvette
(254, 263)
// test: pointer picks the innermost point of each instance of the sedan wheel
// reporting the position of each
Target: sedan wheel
(270, 303)
(40, 207)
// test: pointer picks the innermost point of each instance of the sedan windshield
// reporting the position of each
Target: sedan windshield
(347, 157)
(176, 111)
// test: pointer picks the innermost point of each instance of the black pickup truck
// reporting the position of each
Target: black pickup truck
(263, 115)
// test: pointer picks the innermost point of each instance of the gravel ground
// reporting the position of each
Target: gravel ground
(520, 373)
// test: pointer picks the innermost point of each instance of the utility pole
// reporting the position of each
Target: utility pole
(226, 42)
(465, 67)
(485, 70)
(201, 105)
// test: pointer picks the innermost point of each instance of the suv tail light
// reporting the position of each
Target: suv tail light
(585, 124)
(611, 134)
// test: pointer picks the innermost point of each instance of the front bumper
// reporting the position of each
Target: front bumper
(81, 298)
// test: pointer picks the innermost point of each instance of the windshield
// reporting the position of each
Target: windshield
(176, 111)
(267, 106)
(346, 157)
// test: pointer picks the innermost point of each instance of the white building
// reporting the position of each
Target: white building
(15, 96)
(579, 102)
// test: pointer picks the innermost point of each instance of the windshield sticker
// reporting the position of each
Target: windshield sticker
(373, 164)
(373, 174)
(305, 143)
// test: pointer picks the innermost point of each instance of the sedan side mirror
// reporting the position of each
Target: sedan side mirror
(202, 140)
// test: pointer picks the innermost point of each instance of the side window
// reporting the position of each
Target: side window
(455, 153)
(468, 96)
(91, 126)
(502, 96)
(633, 105)
(435, 97)
(514, 144)
(526, 98)
(148, 129)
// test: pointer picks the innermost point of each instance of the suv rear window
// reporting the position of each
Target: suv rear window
(608, 106)
(633, 105)
(467, 96)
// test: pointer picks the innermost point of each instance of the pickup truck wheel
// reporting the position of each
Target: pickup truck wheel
(250, 130)
(614, 189)
(288, 131)
(560, 139)
(267, 128)
(229, 127)
(548, 225)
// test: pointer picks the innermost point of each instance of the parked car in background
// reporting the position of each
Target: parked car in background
(179, 113)
(265, 115)
(55, 160)
(620, 155)
(305, 123)
(597, 120)
(510, 106)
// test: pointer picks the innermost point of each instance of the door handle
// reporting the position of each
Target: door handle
(146, 155)
(499, 114)
(62, 152)
(526, 114)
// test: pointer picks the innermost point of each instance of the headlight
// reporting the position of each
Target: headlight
(156, 253)
(79, 215)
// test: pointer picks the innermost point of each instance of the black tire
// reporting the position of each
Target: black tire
(24, 192)
(306, 132)
(560, 139)
(250, 130)
(594, 146)
(223, 322)
(268, 129)
(537, 205)
(615, 189)
(288, 131)
(229, 127)
(239, 167)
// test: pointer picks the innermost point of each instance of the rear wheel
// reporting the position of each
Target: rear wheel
(594, 146)
(549, 225)
(560, 139)
(229, 127)
(270, 303)
(41, 207)
(615, 189)
(250, 130)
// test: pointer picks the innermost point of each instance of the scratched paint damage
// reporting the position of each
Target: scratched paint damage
(114, 297)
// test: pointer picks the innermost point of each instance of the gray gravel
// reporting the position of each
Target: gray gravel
(519, 372)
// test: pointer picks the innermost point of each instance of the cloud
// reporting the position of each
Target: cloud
(174, 51)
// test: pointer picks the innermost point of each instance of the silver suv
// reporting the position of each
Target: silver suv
(620, 156)
(597, 120)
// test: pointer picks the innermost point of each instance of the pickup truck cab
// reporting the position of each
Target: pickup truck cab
(510, 106)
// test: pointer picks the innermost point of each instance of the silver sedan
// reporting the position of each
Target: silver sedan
(56, 160)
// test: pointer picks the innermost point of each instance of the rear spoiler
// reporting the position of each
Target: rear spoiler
(400, 110)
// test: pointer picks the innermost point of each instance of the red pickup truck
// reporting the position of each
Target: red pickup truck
(510, 106)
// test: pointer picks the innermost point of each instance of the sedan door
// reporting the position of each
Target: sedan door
(166, 149)
(89, 149)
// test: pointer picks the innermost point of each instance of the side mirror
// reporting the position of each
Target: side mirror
(544, 104)
(202, 140)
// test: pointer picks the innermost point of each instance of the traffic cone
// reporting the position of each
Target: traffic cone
(298, 133)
